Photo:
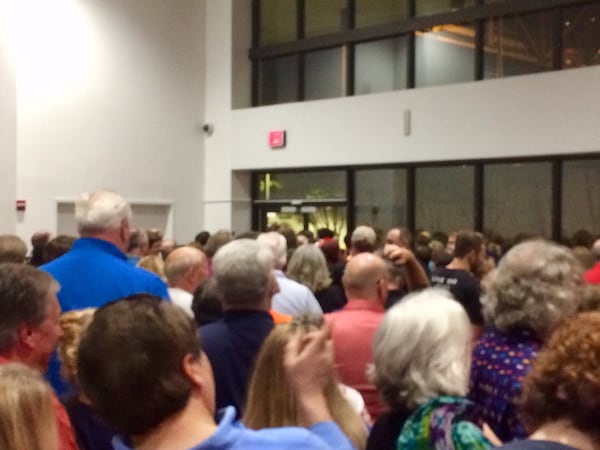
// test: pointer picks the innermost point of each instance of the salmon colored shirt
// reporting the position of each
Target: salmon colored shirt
(66, 437)
(352, 331)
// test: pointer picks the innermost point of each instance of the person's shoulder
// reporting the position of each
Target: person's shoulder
(531, 444)
(212, 333)
(290, 438)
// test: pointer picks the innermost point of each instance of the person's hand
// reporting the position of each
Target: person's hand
(308, 361)
(399, 255)
(308, 364)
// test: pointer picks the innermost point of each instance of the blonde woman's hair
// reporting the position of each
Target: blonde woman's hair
(154, 264)
(271, 402)
(73, 325)
(28, 418)
(309, 267)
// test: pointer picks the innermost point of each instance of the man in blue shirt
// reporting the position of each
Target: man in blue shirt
(95, 271)
(150, 379)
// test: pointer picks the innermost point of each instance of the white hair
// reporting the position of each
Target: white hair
(421, 350)
(241, 270)
(101, 211)
(364, 233)
(277, 244)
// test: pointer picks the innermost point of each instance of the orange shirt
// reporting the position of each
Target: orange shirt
(280, 318)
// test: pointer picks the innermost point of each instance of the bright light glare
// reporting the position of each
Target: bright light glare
(51, 42)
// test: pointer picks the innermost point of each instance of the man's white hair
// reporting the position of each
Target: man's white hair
(277, 244)
(101, 211)
(421, 350)
(364, 233)
(242, 269)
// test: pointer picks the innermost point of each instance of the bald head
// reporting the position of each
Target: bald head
(185, 268)
(365, 277)
(596, 249)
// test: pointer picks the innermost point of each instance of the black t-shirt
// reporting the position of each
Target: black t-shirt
(331, 298)
(464, 287)
(386, 429)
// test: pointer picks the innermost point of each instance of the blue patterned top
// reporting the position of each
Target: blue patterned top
(500, 362)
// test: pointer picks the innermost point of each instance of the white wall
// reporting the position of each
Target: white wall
(8, 127)
(226, 196)
(551, 113)
(111, 94)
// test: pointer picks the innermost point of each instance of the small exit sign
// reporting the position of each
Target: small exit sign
(277, 139)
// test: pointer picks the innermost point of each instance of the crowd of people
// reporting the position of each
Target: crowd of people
(122, 339)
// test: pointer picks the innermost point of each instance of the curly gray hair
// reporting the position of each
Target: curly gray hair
(535, 285)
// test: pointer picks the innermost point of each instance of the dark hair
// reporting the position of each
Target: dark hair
(331, 250)
(130, 361)
(23, 299)
(564, 382)
(58, 246)
(216, 241)
(202, 237)
(308, 234)
(207, 304)
(135, 239)
(323, 233)
(154, 236)
(290, 237)
(466, 242)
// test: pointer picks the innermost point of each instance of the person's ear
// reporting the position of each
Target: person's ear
(125, 230)
(192, 368)
(27, 335)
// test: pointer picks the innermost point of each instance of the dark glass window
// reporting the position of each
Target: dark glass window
(323, 74)
(277, 21)
(380, 198)
(302, 185)
(324, 17)
(444, 199)
(581, 36)
(377, 12)
(517, 45)
(581, 197)
(427, 7)
(445, 55)
(381, 65)
(518, 199)
(279, 80)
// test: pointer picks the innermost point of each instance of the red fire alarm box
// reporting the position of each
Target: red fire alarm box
(277, 139)
(21, 205)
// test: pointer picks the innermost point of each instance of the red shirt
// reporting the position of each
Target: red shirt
(592, 276)
(66, 437)
(352, 330)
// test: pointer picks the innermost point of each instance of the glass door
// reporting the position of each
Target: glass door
(303, 217)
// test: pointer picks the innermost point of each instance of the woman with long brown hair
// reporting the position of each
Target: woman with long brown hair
(271, 402)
